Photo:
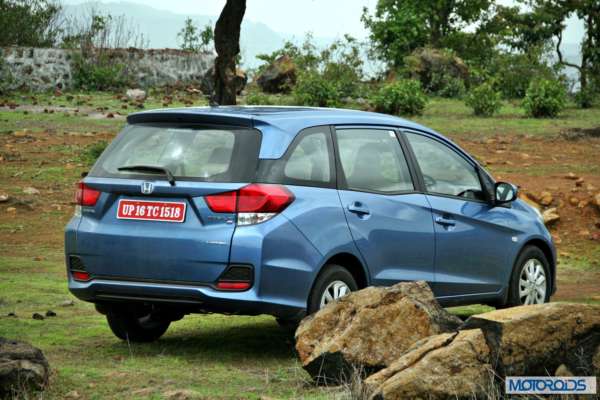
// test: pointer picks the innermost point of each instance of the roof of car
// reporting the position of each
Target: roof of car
(278, 124)
(286, 118)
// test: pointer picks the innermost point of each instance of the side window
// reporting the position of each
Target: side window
(372, 160)
(444, 170)
(309, 161)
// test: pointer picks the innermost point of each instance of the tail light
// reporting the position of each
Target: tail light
(85, 195)
(77, 268)
(253, 204)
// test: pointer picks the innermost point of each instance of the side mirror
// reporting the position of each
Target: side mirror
(505, 192)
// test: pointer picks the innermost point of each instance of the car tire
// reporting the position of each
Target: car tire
(133, 328)
(330, 274)
(531, 261)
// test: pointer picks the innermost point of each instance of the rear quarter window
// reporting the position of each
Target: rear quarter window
(200, 154)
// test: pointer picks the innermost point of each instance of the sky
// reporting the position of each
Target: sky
(324, 18)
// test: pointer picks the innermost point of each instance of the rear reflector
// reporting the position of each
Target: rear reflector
(81, 276)
(233, 285)
(256, 202)
(85, 195)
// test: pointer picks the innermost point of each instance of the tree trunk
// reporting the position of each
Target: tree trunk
(227, 45)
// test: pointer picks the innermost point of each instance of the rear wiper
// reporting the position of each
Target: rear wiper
(150, 168)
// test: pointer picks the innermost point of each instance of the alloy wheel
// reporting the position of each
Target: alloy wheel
(334, 291)
(532, 283)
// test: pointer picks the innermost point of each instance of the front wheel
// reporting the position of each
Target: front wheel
(530, 281)
(334, 282)
(136, 328)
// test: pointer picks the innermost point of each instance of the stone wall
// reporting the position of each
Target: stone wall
(42, 69)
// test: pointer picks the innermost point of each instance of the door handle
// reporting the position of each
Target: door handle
(358, 208)
(445, 221)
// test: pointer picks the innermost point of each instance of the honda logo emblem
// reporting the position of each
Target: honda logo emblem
(147, 187)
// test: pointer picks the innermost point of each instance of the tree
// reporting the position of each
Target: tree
(227, 45)
(34, 23)
(193, 39)
(544, 23)
(400, 26)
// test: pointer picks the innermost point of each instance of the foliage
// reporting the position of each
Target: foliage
(340, 63)
(484, 100)
(545, 98)
(93, 151)
(398, 27)
(313, 89)
(258, 99)
(513, 72)
(402, 97)
(34, 23)
(194, 39)
(98, 73)
(584, 98)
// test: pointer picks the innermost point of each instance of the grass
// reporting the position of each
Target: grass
(215, 356)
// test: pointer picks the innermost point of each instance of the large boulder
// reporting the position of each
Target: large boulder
(23, 368)
(207, 83)
(279, 76)
(433, 67)
(368, 330)
(446, 366)
(536, 340)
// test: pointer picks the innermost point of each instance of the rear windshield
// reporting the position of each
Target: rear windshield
(197, 154)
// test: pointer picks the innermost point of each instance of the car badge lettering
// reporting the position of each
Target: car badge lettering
(147, 187)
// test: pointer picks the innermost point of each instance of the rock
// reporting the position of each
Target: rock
(50, 313)
(583, 204)
(562, 370)
(67, 303)
(427, 63)
(550, 216)
(207, 83)
(23, 368)
(444, 366)
(279, 76)
(182, 394)
(369, 329)
(3, 198)
(571, 176)
(529, 199)
(11, 314)
(546, 198)
(241, 79)
(37, 316)
(73, 394)
(579, 182)
(136, 94)
(11, 210)
(597, 201)
(533, 340)
(31, 190)
(574, 201)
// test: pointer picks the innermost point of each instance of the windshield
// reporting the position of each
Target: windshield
(211, 155)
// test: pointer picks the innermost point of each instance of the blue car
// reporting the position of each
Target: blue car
(282, 210)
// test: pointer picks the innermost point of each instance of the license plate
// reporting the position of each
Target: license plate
(167, 211)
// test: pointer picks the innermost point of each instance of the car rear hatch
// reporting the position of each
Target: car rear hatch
(144, 205)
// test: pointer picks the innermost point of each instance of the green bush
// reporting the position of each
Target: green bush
(544, 98)
(98, 73)
(484, 100)
(449, 87)
(313, 89)
(585, 98)
(402, 97)
(93, 151)
(258, 99)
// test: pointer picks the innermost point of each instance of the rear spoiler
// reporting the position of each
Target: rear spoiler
(190, 117)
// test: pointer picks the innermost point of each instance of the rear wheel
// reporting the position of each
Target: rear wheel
(333, 283)
(530, 281)
(136, 328)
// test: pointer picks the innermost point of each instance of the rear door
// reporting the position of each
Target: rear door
(144, 228)
(389, 220)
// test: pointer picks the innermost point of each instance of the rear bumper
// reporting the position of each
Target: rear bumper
(186, 297)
